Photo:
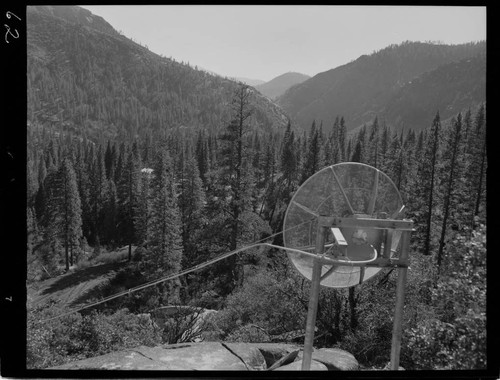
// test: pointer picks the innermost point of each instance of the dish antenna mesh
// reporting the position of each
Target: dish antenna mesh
(342, 190)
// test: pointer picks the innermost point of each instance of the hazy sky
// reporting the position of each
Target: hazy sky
(262, 42)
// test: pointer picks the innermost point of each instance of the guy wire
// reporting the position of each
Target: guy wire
(179, 274)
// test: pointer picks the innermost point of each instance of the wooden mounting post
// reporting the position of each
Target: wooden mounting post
(400, 297)
(312, 308)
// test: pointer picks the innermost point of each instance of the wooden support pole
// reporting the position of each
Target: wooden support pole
(312, 309)
(400, 296)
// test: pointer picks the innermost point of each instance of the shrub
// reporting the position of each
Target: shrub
(265, 302)
(249, 334)
(74, 337)
(455, 338)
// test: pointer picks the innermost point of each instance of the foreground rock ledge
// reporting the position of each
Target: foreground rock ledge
(213, 356)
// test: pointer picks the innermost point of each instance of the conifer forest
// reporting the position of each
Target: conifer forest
(123, 190)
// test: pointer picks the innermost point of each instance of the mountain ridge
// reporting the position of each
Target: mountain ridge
(361, 89)
(95, 83)
(278, 85)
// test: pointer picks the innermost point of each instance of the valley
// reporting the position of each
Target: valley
(140, 167)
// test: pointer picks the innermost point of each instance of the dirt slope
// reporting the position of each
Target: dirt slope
(72, 287)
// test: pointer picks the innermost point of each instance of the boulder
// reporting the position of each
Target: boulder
(249, 354)
(288, 358)
(121, 360)
(335, 359)
(272, 352)
(198, 356)
(217, 356)
(297, 366)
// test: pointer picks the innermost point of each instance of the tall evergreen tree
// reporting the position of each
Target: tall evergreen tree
(475, 177)
(384, 146)
(64, 210)
(202, 156)
(450, 172)
(312, 161)
(164, 252)
(82, 180)
(235, 174)
(109, 160)
(341, 140)
(425, 186)
(97, 195)
(191, 203)
(143, 213)
(288, 160)
(110, 219)
(128, 193)
(372, 154)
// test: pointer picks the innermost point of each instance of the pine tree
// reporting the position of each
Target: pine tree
(128, 200)
(312, 161)
(331, 148)
(373, 144)
(164, 228)
(110, 212)
(341, 140)
(64, 209)
(269, 165)
(108, 160)
(235, 175)
(476, 166)
(425, 186)
(97, 196)
(358, 146)
(143, 213)
(384, 146)
(202, 156)
(288, 160)
(357, 153)
(191, 204)
(82, 180)
(256, 162)
(450, 173)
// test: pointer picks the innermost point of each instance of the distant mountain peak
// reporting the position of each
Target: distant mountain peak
(277, 86)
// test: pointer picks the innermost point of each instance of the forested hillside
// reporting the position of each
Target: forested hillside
(185, 199)
(85, 78)
(154, 167)
(403, 84)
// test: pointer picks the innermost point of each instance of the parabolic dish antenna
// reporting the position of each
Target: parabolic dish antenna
(347, 189)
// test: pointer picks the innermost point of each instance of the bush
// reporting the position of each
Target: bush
(75, 337)
(436, 344)
(84, 264)
(264, 301)
(114, 257)
(455, 338)
(248, 334)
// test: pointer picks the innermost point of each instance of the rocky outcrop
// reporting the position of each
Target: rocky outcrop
(334, 359)
(217, 356)
(297, 366)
